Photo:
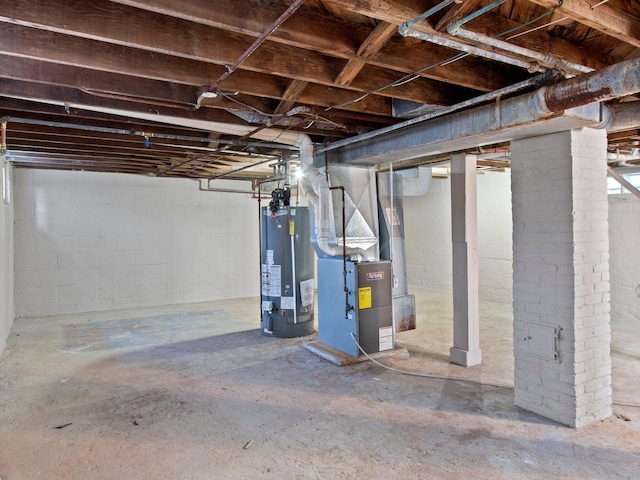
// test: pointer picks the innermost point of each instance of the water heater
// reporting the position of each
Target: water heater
(287, 293)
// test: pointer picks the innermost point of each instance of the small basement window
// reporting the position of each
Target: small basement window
(614, 188)
(6, 183)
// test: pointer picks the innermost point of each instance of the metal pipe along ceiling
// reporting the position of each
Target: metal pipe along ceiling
(120, 131)
(463, 47)
(259, 41)
(544, 59)
(431, 11)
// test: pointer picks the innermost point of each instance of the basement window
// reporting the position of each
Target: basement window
(6, 184)
(614, 188)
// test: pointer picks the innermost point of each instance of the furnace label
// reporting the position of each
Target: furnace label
(386, 338)
(364, 298)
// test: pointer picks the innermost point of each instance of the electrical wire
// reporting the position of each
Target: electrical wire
(447, 61)
(246, 105)
(455, 379)
(428, 375)
(530, 22)
(545, 25)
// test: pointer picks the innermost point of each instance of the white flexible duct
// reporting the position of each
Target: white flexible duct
(315, 187)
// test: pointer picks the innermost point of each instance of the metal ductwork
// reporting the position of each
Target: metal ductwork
(566, 105)
(621, 116)
(410, 182)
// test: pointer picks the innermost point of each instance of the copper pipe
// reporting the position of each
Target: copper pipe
(3, 139)
(347, 307)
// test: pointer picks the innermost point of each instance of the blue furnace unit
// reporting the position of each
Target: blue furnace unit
(364, 309)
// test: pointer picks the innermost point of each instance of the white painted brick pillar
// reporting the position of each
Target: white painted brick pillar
(464, 235)
(561, 276)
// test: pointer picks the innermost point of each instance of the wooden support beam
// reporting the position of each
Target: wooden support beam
(138, 64)
(290, 95)
(602, 18)
(396, 12)
(148, 90)
(373, 43)
(200, 42)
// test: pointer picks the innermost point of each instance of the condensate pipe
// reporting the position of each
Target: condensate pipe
(260, 249)
(344, 252)
(543, 59)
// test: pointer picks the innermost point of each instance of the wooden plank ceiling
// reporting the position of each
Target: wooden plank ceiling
(63, 62)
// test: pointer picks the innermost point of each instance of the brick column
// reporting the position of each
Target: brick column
(561, 276)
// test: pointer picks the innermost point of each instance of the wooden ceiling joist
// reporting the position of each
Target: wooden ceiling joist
(67, 63)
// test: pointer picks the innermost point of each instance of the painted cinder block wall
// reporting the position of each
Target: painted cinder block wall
(624, 260)
(99, 241)
(428, 237)
(6, 267)
(72, 195)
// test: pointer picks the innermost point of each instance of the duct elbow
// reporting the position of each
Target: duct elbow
(305, 145)
(351, 253)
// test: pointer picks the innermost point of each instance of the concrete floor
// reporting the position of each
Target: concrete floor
(194, 392)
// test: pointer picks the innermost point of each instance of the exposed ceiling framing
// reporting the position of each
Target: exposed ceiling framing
(334, 69)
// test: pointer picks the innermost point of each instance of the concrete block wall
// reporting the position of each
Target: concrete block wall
(97, 241)
(6, 266)
(561, 275)
(624, 232)
(428, 237)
